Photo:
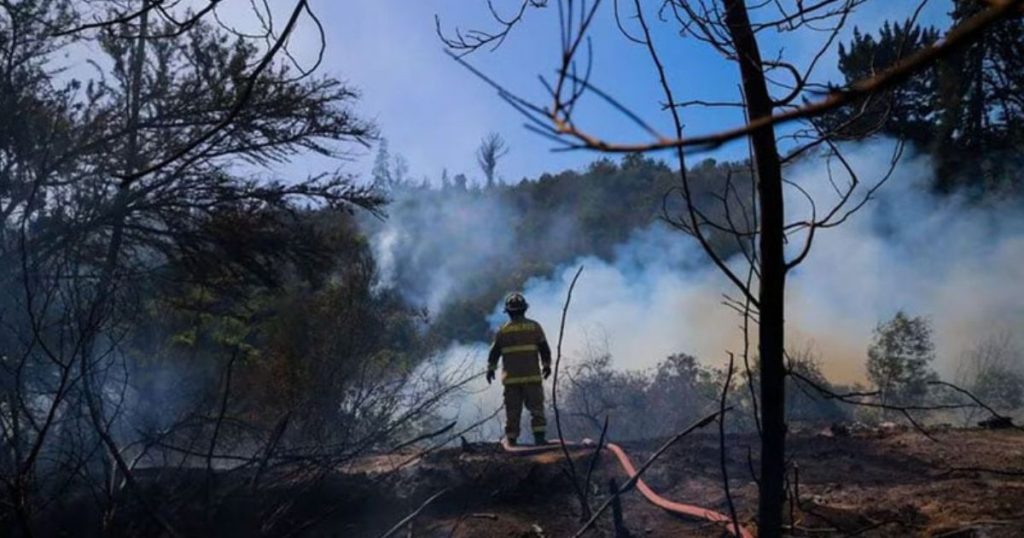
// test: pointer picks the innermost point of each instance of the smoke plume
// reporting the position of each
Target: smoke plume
(960, 264)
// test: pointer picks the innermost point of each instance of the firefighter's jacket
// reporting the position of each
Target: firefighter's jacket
(519, 343)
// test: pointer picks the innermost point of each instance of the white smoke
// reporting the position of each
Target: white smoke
(448, 243)
(655, 298)
(959, 264)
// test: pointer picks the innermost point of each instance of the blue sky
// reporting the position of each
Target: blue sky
(434, 112)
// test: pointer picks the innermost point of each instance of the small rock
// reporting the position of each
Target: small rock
(996, 423)
(839, 429)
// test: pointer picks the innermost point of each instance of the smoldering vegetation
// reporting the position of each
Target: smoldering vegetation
(455, 246)
(647, 327)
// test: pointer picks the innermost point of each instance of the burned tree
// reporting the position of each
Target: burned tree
(993, 370)
(762, 226)
(492, 149)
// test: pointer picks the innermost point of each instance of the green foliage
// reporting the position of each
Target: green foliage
(967, 110)
(993, 370)
(908, 111)
(639, 404)
(511, 233)
(157, 285)
(804, 402)
(311, 328)
(1001, 389)
(981, 124)
(679, 390)
(899, 359)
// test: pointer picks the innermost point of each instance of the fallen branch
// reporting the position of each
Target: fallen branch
(449, 439)
(425, 436)
(980, 403)
(405, 521)
(275, 438)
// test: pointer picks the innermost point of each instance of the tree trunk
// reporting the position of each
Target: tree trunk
(102, 304)
(773, 272)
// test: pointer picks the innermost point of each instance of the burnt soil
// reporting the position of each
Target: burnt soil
(962, 483)
(959, 483)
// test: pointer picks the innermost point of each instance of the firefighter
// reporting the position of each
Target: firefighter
(519, 343)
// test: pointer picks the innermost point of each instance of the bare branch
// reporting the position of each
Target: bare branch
(582, 497)
(960, 36)
(407, 519)
(722, 451)
(635, 477)
(240, 103)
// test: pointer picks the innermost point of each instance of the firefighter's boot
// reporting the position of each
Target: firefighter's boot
(512, 441)
(539, 439)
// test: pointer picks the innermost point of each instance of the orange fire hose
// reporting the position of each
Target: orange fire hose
(649, 494)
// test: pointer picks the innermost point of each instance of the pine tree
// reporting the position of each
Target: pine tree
(399, 172)
(980, 136)
(968, 110)
(906, 112)
(381, 172)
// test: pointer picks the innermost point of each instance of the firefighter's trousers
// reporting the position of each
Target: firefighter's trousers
(530, 394)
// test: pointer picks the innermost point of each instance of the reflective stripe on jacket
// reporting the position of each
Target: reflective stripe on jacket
(522, 347)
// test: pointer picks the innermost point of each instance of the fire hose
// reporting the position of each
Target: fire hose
(648, 493)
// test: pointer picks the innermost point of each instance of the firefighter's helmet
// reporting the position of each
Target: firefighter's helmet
(515, 303)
